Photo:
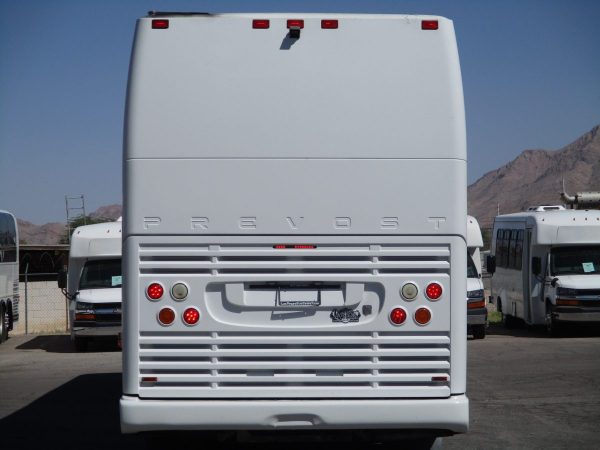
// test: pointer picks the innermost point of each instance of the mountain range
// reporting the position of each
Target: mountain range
(533, 178)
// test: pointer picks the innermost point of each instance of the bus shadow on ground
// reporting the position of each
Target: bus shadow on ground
(60, 343)
(523, 330)
(84, 414)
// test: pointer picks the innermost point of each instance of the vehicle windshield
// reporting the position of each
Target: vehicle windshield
(101, 273)
(471, 269)
(575, 260)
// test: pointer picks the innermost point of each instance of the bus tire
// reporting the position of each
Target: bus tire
(478, 331)
(3, 323)
(508, 321)
(553, 327)
(81, 344)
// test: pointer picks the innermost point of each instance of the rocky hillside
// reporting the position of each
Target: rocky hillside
(535, 178)
(50, 233)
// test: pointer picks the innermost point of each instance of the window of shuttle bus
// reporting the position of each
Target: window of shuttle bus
(512, 258)
(8, 239)
(519, 250)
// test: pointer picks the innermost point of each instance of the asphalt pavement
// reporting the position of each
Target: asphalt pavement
(527, 391)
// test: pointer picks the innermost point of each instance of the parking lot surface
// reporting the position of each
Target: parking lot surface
(527, 391)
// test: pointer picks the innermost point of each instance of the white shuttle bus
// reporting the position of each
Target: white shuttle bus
(546, 266)
(9, 274)
(476, 307)
(294, 229)
(93, 283)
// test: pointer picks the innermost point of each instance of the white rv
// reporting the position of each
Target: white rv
(93, 284)
(547, 266)
(9, 273)
(295, 234)
(476, 307)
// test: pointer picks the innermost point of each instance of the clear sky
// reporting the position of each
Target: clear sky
(531, 74)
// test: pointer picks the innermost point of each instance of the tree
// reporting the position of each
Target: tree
(80, 221)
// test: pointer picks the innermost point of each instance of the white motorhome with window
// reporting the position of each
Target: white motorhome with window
(295, 237)
(476, 308)
(9, 273)
(93, 284)
(546, 265)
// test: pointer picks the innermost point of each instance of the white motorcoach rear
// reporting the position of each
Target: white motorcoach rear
(294, 229)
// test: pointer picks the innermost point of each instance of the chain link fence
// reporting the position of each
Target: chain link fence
(42, 306)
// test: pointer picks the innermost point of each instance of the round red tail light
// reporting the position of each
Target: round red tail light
(422, 316)
(155, 291)
(433, 291)
(398, 316)
(191, 316)
(166, 316)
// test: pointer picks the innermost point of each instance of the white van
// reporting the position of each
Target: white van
(476, 307)
(93, 284)
(295, 235)
(546, 266)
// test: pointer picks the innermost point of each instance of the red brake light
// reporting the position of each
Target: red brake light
(260, 24)
(398, 316)
(160, 24)
(422, 316)
(191, 316)
(166, 316)
(295, 23)
(329, 24)
(433, 291)
(429, 25)
(155, 291)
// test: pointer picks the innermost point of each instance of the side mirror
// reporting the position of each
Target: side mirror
(62, 279)
(490, 263)
(554, 281)
(536, 265)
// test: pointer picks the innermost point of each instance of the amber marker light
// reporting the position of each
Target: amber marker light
(422, 316)
(166, 316)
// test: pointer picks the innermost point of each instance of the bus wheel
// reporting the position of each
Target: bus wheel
(508, 321)
(478, 331)
(3, 323)
(552, 325)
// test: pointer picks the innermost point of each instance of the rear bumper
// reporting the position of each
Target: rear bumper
(566, 314)
(476, 316)
(96, 330)
(448, 414)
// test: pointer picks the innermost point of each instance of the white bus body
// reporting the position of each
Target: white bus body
(291, 187)
(9, 273)
(547, 266)
(94, 282)
(476, 306)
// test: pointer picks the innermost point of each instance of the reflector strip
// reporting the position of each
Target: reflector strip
(160, 24)
(477, 304)
(429, 25)
(295, 23)
(329, 24)
(295, 246)
(260, 24)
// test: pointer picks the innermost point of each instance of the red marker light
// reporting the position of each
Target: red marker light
(160, 24)
(260, 24)
(433, 291)
(295, 246)
(329, 24)
(155, 291)
(166, 316)
(398, 316)
(295, 23)
(191, 316)
(429, 25)
(422, 316)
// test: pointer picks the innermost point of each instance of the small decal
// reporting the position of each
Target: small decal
(588, 267)
(345, 315)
